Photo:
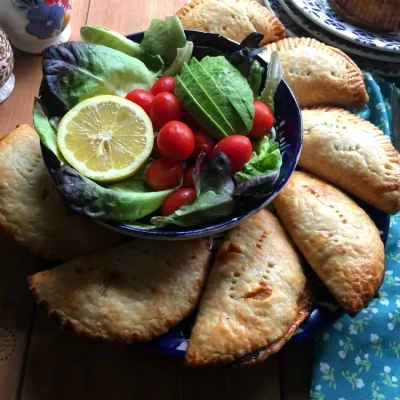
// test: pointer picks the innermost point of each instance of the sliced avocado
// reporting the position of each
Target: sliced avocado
(236, 87)
(202, 97)
(219, 97)
(196, 110)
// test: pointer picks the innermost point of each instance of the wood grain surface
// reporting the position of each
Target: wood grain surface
(40, 362)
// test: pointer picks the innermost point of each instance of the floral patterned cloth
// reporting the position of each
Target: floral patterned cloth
(359, 358)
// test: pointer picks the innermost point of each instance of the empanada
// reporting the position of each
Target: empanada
(255, 298)
(234, 19)
(31, 210)
(337, 238)
(380, 15)
(353, 154)
(130, 293)
(319, 74)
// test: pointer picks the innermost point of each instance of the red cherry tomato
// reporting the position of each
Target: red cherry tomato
(164, 84)
(165, 108)
(263, 120)
(175, 141)
(142, 98)
(177, 199)
(237, 148)
(203, 142)
(188, 181)
(163, 174)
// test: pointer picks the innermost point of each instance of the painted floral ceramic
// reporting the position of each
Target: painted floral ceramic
(7, 79)
(33, 25)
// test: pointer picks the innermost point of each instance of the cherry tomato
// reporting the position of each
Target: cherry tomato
(263, 120)
(164, 84)
(177, 199)
(175, 141)
(188, 181)
(237, 148)
(203, 142)
(163, 174)
(165, 108)
(142, 98)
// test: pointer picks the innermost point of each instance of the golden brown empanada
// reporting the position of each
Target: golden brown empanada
(319, 74)
(31, 210)
(379, 15)
(255, 298)
(337, 238)
(133, 292)
(234, 19)
(353, 154)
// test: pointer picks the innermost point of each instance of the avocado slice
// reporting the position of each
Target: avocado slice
(202, 96)
(190, 104)
(235, 86)
(218, 96)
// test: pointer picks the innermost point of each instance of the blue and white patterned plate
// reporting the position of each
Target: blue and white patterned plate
(284, 9)
(321, 14)
(298, 26)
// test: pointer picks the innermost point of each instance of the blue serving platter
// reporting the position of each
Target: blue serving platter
(325, 312)
(288, 123)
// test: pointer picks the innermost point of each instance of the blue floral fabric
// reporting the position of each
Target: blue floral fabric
(359, 358)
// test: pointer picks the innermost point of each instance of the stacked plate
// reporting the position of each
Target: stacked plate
(374, 52)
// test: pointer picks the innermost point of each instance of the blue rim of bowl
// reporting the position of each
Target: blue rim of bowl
(223, 225)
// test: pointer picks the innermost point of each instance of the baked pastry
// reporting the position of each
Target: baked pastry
(337, 238)
(319, 74)
(379, 15)
(234, 19)
(130, 293)
(32, 212)
(353, 154)
(255, 298)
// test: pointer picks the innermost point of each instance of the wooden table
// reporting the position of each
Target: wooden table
(40, 362)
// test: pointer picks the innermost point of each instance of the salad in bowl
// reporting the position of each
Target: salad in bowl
(166, 133)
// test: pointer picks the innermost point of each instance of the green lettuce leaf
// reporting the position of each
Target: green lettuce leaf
(183, 56)
(266, 158)
(163, 38)
(101, 35)
(214, 187)
(46, 130)
(123, 201)
(274, 76)
(75, 71)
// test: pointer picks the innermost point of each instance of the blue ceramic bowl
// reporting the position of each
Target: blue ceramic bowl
(289, 131)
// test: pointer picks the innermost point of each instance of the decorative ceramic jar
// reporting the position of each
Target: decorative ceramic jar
(7, 79)
(33, 25)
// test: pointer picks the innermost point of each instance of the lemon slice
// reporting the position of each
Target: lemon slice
(106, 138)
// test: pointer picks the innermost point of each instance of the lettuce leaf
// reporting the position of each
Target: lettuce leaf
(128, 200)
(101, 35)
(183, 56)
(46, 131)
(274, 76)
(261, 172)
(75, 71)
(163, 38)
(266, 158)
(214, 187)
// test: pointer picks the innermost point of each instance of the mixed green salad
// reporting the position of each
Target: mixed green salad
(161, 132)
